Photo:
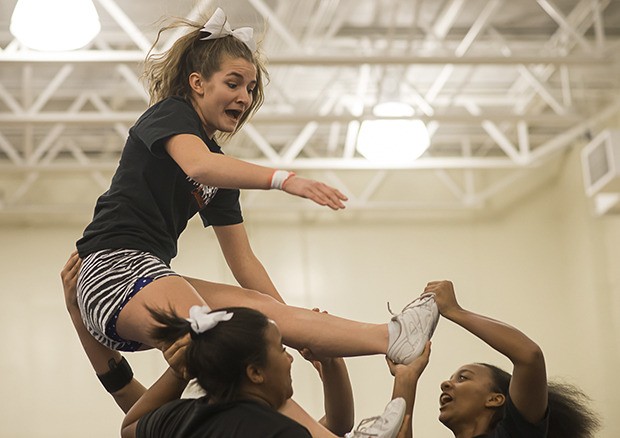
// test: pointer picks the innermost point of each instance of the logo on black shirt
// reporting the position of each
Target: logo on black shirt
(202, 194)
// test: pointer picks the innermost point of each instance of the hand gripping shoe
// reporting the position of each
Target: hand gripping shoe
(412, 328)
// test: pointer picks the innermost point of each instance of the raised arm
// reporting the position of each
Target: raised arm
(528, 386)
(218, 170)
(406, 379)
(337, 391)
(243, 263)
(168, 387)
(108, 364)
(338, 396)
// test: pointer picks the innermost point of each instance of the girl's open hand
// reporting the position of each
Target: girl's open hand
(316, 191)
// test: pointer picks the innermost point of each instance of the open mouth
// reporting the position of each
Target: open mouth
(444, 399)
(234, 114)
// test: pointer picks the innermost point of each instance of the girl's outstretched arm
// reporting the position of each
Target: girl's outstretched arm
(218, 170)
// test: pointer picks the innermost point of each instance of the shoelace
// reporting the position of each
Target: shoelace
(364, 422)
(411, 304)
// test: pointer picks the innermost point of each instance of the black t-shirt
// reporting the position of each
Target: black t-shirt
(513, 425)
(150, 199)
(195, 418)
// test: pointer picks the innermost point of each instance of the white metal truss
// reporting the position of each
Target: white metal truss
(504, 88)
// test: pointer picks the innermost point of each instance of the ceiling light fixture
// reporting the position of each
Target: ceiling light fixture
(57, 25)
(397, 139)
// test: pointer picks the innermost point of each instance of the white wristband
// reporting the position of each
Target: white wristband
(279, 177)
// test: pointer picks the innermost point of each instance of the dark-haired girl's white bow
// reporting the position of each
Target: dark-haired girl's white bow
(202, 319)
(218, 27)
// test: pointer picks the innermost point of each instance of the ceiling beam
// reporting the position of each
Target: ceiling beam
(94, 118)
(344, 59)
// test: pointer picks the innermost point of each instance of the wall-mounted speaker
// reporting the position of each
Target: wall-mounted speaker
(600, 160)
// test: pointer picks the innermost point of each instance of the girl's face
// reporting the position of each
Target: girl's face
(466, 395)
(222, 99)
(277, 384)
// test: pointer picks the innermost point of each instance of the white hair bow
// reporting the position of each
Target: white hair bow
(201, 320)
(218, 27)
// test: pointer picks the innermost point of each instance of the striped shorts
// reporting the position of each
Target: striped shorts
(108, 279)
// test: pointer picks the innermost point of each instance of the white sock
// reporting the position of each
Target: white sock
(394, 330)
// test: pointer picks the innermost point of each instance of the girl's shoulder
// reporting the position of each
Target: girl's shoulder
(173, 110)
(171, 102)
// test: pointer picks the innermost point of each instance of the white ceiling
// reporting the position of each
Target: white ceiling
(506, 88)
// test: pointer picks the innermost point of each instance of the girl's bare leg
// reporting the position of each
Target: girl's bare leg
(166, 293)
(324, 334)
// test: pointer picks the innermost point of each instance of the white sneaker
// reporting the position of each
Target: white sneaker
(387, 425)
(412, 328)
